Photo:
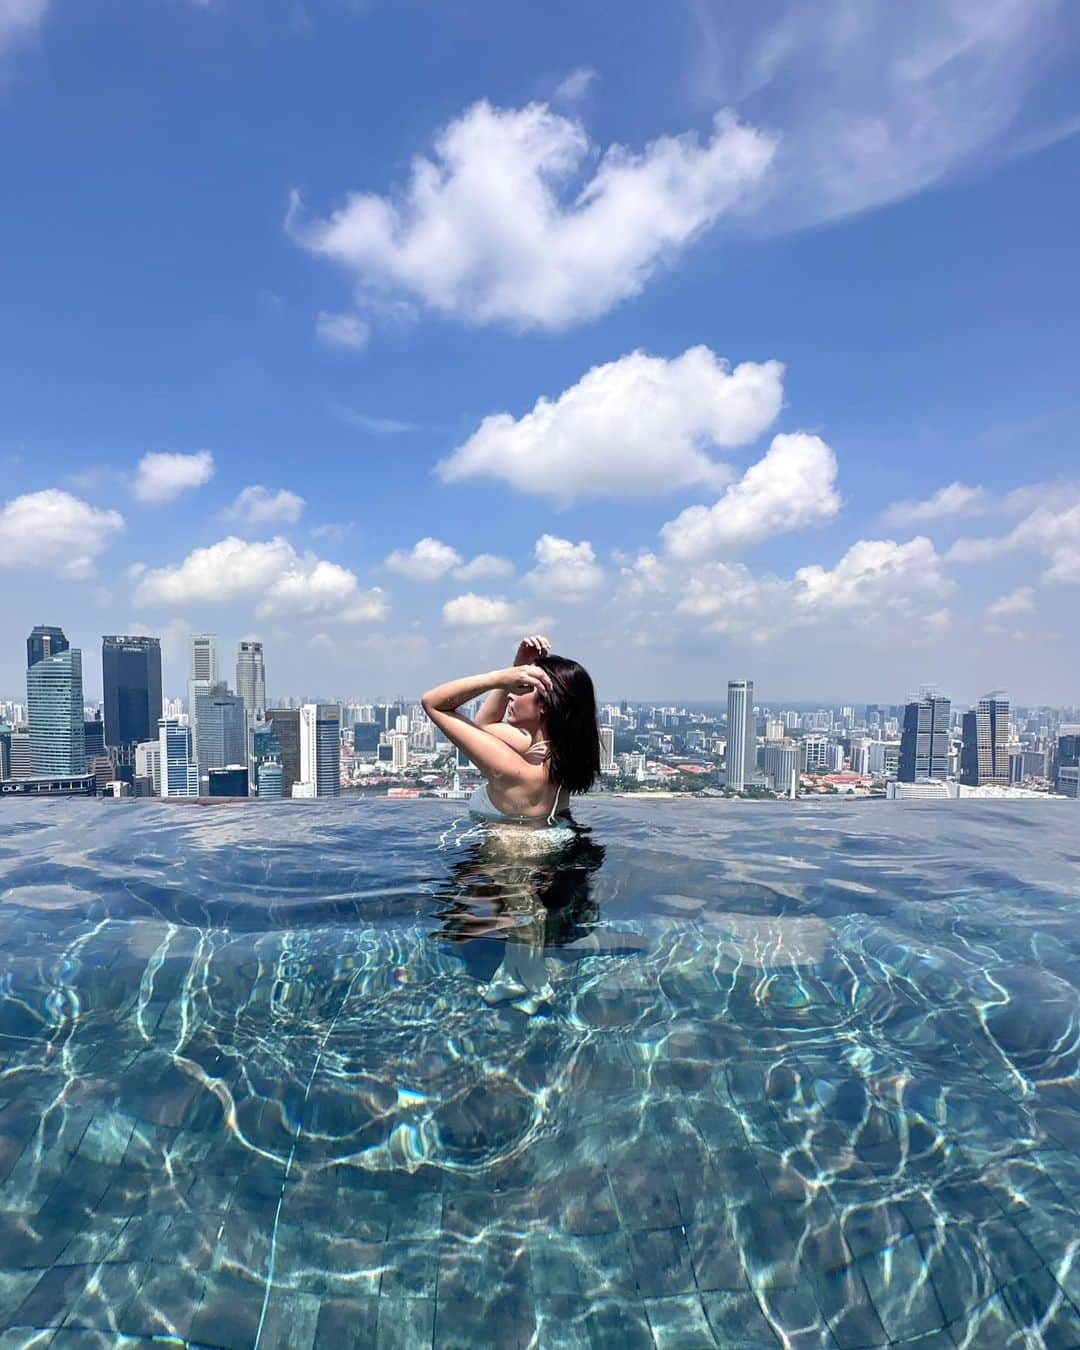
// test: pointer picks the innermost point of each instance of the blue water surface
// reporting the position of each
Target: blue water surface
(702, 1073)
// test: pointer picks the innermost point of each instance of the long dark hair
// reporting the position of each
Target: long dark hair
(572, 731)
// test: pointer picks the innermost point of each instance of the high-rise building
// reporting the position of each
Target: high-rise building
(816, 751)
(220, 730)
(1066, 756)
(286, 727)
(607, 749)
(178, 770)
(270, 782)
(131, 687)
(924, 741)
(231, 780)
(148, 765)
(984, 757)
(94, 736)
(741, 741)
(251, 679)
(320, 748)
(399, 751)
(19, 766)
(5, 751)
(202, 668)
(44, 641)
(54, 697)
(365, 737)
(782, 763)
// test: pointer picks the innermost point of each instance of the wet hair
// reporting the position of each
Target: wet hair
(572, 731)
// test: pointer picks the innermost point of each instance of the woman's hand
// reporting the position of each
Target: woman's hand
(529, 648)
(524, 679)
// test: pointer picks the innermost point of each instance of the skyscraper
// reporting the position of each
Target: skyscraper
(607, 750)
(131, 687)
(741, 740)
(44, 641)
(270, 779)
(286, 725)
(202, 668)
(984, 757)
(924, 741)
(220, 734)
(251, 679)
(54, 696)
(179, 774)
(320, 748)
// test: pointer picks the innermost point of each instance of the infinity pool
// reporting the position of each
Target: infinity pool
(703, 1073)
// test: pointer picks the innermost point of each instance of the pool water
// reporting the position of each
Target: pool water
(701, 1073)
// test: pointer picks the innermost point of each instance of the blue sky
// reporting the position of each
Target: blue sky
(716, 343)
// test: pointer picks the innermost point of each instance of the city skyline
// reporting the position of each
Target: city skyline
(752, 375)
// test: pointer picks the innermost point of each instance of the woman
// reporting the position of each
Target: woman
(535, 738)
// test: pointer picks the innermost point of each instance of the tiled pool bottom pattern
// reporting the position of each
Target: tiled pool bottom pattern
(845, 1116)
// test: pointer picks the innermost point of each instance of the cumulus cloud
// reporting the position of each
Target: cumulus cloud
(484, 565)
(791, 488)
(53, 529)
(957, 499)
(497, 227)
(427, 560)
(286, 584)
(478, 611)
(874, 577)
(258, 505)
(18, 19)
(1019, 601)
(564, 570)
(342, 330)
(163, 477)
(1053, 532)
(631, 427)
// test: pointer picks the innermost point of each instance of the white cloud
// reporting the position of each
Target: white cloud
(163, 477)
(875, 577)
(1019, 601)
(284, 582)
(957, 499)
(342, 330)
(565, 570)
(874, 102)
(18, 19)
(427, 560)
(1052, 531)
(53, 529)
(258, 505)
(484, 565)
(872, 576)
(631, 427)
(497, 227)
(476, 611)
(791, 488)
(573, 88)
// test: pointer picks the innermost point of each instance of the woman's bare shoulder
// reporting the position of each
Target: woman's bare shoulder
(513, 736)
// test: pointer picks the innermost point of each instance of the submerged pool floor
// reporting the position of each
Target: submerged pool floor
(706, 1074)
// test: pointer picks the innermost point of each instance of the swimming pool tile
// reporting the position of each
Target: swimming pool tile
(679, 1323)
(562, 1323)
(228, 1315)
(165, 1303)
(290, 1321)
(416, 1215)
(899, 1284)
(52, 1297)
(716, 1255)
(661, 1261)
(644, 1193)
(619, 1324)
(768, 1249)
(410, 1268)
(347, 1322)
(405, 1323)
(110, 1287)
(737, 1321)
(796, 1318)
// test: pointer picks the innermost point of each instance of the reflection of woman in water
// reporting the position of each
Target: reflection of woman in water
(536, 741)
(535, 738)
(526, 893)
